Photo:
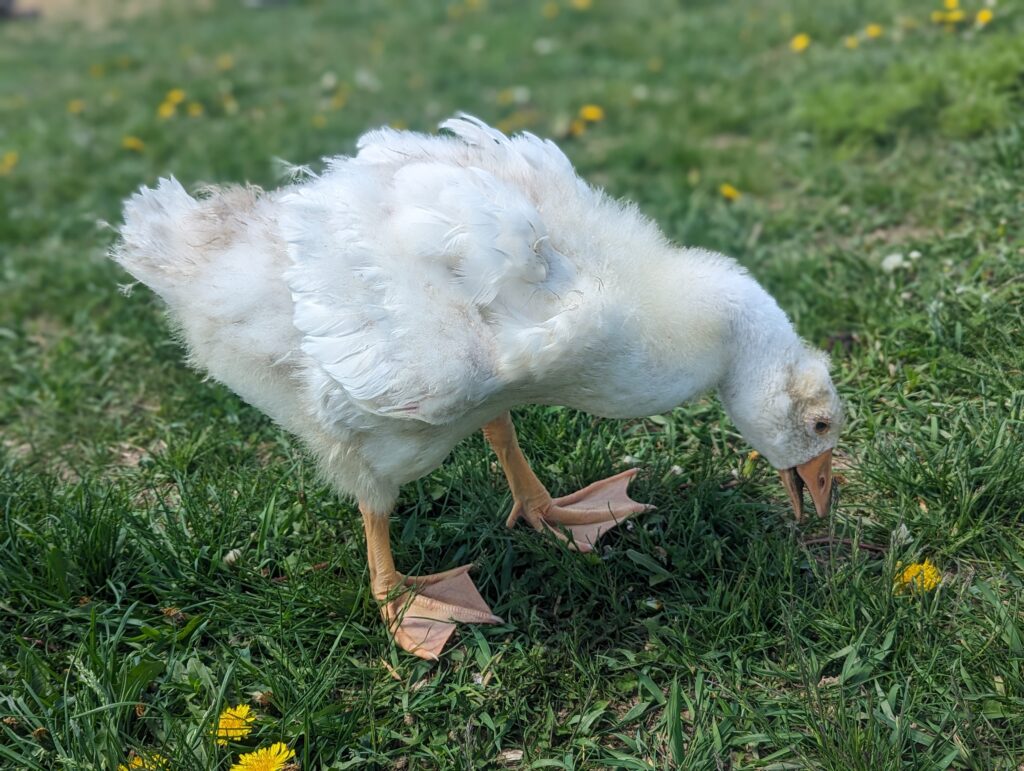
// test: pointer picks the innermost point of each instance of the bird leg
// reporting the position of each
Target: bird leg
(419, 610)
(585, 514)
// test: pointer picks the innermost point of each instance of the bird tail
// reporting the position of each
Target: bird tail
(158, 243)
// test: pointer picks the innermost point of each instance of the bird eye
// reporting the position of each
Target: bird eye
(821, 426)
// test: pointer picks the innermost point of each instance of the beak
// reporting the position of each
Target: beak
(816, 474)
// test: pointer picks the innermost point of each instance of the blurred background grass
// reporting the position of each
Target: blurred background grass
(874, 185)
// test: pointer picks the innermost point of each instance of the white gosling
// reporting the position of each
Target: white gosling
(408, 296)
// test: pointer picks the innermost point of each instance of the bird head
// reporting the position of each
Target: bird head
(787, 408)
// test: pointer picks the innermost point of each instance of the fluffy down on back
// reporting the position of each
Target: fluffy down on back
(422, 282)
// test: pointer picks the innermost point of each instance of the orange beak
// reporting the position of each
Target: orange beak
(816, 474)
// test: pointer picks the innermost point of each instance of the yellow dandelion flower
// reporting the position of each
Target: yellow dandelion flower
(581, 5)
(550, 10)
(748, 465)
(921, 576)
(851, 41)
(577, 127)
(75, 106)
(874, 30)
(951, 5)
(195, 109)
(166, 110)
(339, 100)
(175, 96)
(949, 18)
(800, 42)
(224, 62)
(152, 762)
(234, 723)
(592, 113)
(8, 162)
(133, 143)
(655, 64)
(319, 120)
(272, 758)
(728, 192)
(984, 16)
(97, 70)
(475, 5)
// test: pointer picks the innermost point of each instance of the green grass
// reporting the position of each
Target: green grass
(711, 634)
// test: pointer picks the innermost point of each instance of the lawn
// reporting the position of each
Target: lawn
(166, 551)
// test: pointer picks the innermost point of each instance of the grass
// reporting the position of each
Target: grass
(712, 634)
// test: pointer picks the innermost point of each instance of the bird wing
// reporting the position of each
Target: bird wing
(422, 285)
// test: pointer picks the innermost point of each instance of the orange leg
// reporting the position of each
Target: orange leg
(586, 514)
(419, 610)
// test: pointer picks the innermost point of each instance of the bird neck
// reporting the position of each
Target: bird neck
(678, 323)
(674, 324)
(763, 341)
